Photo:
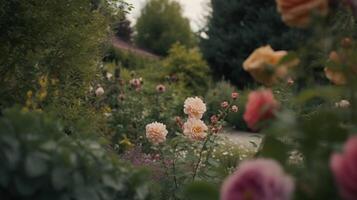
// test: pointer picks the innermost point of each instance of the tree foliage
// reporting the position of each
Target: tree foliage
(161, 24)
(123, 30)
(236, 28)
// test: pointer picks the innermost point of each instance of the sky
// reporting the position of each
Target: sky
(194, 10)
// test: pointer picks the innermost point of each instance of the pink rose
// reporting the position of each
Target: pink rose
(260, 179)
(261, 106)
(344, 168)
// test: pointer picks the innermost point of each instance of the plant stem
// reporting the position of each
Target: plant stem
(195, 170)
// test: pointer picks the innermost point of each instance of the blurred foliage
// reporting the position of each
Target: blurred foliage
(161, 25)
(122, 29)
(189, 68)
(40, 162)
(236, 28)
(64, 48)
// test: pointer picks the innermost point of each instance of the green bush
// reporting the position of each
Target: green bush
(38, 161)
(189, 67)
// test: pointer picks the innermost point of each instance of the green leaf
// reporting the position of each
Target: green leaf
(201, 191)
(274, 148)
(59, 178)
(35, 165)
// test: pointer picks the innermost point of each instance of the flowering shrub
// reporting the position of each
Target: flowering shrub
(189, 155)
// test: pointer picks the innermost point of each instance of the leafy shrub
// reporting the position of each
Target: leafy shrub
(40, 162)
(158, 31)
(189, 68)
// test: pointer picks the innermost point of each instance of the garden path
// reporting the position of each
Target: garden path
(248, 140)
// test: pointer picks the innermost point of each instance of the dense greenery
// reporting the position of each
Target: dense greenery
(40, 162)
(160, 25)
(236, 28)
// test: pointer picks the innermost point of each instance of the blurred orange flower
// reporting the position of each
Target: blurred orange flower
(297, 12)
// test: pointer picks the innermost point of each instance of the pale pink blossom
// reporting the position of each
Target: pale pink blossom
(160, 88)
(99, 91)
(261, 179)
(195, 129)
(156, 133)
(194, 107)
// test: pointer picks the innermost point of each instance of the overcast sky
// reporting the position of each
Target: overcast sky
(195, 10)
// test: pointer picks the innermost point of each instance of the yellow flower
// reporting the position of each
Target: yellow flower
(126, 143)
(262, 64)
(43, 81)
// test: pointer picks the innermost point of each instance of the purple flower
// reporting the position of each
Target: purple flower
(344, 168)
(260, 179)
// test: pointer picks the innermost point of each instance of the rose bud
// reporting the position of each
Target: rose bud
(234, 108)
(214, 119)
(224, 104)
(235, 95)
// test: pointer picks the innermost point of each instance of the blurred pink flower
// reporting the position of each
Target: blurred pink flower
(260, 106)
(160, 88)
(344, 168)
(260, 179)
(99, 91)
(194, 107)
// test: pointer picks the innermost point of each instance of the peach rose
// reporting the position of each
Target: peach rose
(262, 64)
(194, 107)
(297, 12)
(156, 133)
(195, 129)
(261, 106)
(334, 75)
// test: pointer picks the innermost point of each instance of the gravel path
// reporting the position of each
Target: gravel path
(246, 139)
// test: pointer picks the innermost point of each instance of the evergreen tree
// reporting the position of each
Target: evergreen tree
(123, 30)
(236, 28)
(161, 24)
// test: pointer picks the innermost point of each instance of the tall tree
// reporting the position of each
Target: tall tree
(161, 24)
(236, 28)
(123, 30)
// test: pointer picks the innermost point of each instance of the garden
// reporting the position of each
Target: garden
(256, 102)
